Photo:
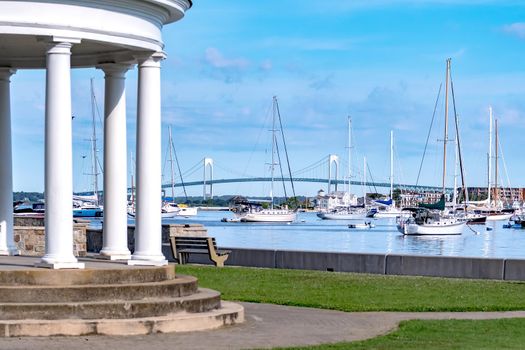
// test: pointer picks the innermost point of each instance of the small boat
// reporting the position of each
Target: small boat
(515, 221)
(88, 210)
(366, 225)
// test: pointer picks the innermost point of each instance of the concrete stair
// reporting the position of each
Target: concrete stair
(101, 300)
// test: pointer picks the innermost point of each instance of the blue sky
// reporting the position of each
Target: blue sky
(380, 62)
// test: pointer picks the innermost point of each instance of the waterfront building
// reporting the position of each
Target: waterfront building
(114, 36)
(327, 201)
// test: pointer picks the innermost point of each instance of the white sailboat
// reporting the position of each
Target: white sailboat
(494, 209)
(432, 219)
(254, 211)
(89, 206)
(388, 209)
(172, 209)
(348, 212)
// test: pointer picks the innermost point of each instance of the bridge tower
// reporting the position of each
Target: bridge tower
(208, 165)
(333, 159)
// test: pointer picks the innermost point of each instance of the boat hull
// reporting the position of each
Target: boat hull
(268, 217)
(499, 217)
(342, 216)
(432, 229)
(390, 214)
(88, 213)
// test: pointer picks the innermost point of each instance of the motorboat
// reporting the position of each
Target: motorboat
(365, 225)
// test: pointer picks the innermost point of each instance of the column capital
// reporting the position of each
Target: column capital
(149, 59)
(6, 72)
(59, 44)
(115, 70)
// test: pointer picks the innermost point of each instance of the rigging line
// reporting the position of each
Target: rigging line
(280, 166)
(506, 173)
(257, 141)
(165, 162)
(463, 182)
(371, 178)
(285, 149)
(178, 168)
(428, 135)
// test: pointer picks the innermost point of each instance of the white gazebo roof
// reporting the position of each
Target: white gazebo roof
(108, 31)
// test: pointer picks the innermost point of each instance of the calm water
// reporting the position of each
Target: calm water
(312, 233)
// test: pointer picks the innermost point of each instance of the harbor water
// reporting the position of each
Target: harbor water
(313, 234)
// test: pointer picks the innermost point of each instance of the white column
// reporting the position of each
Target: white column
(115, 225)
(6, 166)
(58, 159)
(148, 225)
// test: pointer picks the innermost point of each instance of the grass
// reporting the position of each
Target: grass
(444, 334)
(358, 292)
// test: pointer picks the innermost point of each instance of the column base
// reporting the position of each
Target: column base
(60, 265)
(132, 262)
(113, 257)
(10, 252)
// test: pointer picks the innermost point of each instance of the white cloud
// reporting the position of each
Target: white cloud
(517, 29)
(216, 59)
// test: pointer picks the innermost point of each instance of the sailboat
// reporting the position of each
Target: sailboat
(493, 210)
(387, 209)
(255, 211)
(431, 219)
(172, 209)
(89, 206)
(348, 212)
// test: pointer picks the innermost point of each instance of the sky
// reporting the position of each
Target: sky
(380, 62)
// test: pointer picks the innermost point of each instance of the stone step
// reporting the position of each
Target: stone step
(178, 287)
(113, 274)
(202, 301)
(228, 314)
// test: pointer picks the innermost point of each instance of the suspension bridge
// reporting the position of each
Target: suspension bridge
(324, 171)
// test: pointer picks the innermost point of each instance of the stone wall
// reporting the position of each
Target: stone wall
(95, 239)
(29, 236)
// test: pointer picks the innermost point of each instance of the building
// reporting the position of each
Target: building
(114, 36)
(334, 199)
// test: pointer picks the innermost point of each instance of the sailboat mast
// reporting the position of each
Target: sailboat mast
(391, 164)
(445, 139)
(171, 165)
(349, 149)
(496, 194)
(94, 145)
(273, 149)
(456, 158)
(364, 181)
(489, 156)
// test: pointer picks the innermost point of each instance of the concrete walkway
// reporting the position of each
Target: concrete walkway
(266, 326)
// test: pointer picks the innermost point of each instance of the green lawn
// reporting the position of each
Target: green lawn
(449, 334)
(358, 292)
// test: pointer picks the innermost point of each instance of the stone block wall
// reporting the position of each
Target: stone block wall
(29, 236)
(95, 239)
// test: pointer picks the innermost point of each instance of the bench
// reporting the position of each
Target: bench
(182, 247)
